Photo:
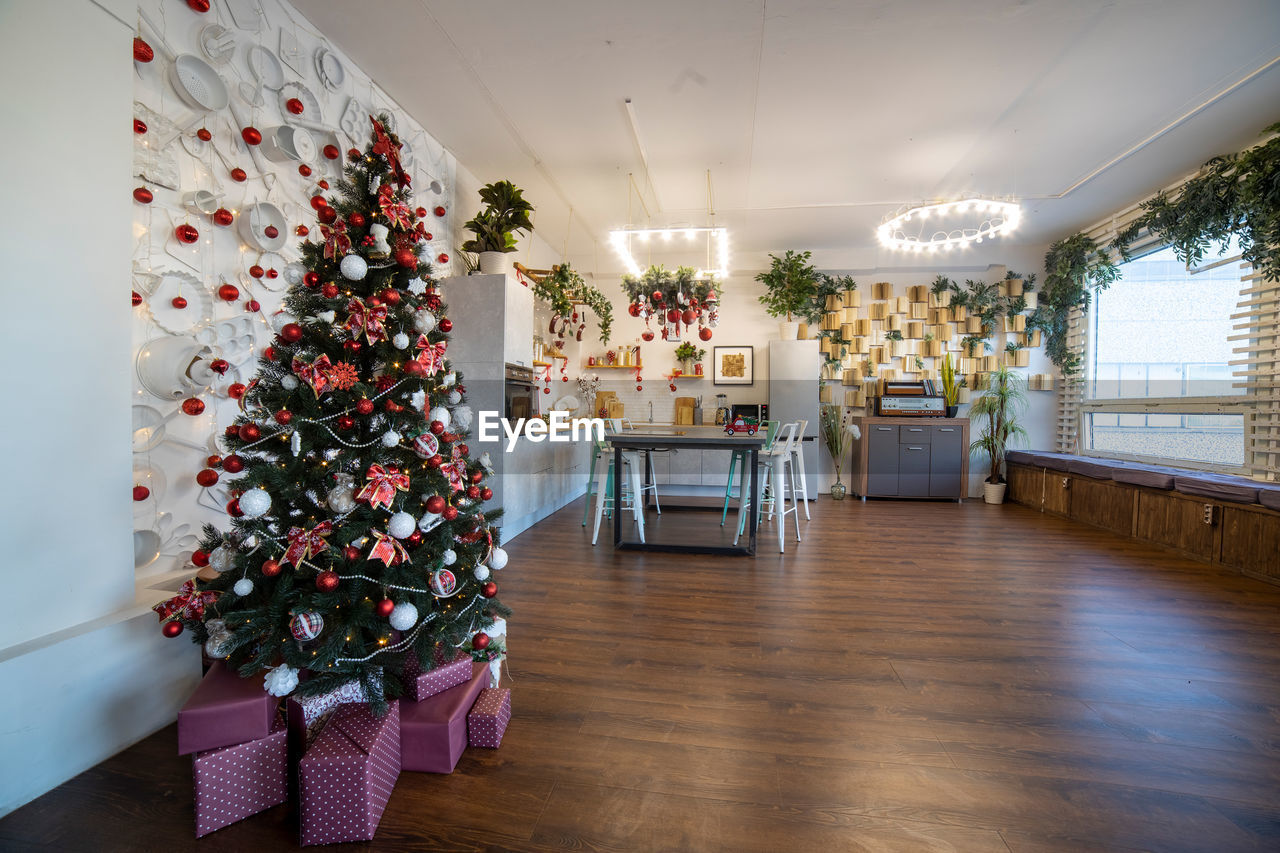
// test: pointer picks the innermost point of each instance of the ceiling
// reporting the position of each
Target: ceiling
(817, 119)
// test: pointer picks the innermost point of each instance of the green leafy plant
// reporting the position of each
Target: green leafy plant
(1074, 269)
(893, 335)
(670, 283)
(827, 286)
(834, 434)
(1003, 400)
(505, 214)
(950, 386)
(688, 352)
(791, 285)
(562, 288)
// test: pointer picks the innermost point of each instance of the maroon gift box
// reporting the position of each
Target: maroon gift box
(347, 775)
(451, 669)
(433, 733)
(488, 718)
(308, 714)
(233, 782)
(225, 710)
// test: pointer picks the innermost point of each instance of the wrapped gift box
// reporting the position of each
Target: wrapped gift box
(225, 710)
(433, 732)
(347, 775)
(488, 718)
(308, 714)
(233, 782)
(452, 667)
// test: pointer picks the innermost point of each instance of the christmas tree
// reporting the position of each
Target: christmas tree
(357, 535)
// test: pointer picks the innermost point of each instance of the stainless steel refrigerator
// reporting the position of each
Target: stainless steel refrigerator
(794, 368)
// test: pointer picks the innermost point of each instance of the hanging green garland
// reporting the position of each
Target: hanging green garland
(562, 287)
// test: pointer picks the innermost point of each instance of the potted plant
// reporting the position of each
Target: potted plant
(837, 437)
(950, 385)
(1003, 400)
(506, 212)
(791, 286)
(687, 354)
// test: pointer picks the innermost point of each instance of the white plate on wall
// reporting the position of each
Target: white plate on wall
(264, 67)
(179, 321)
(197, 83)
(330, 69)
(253, 223)
(310, 105)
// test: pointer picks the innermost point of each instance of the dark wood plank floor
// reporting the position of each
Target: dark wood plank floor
(914, 676)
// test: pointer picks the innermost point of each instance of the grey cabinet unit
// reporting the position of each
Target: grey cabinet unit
(911, 458)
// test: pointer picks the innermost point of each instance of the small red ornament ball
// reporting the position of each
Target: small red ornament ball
(327, 215)
(439, 211)
(435, 504)
(228, 292)
(294, 106)
(415, 538)
(178, 302)
(480, 641)
(142, 51)
(271, 272)
(489, 590)
(329, 291)
(415, 368)
(231, 430)
(331, 152)
(271, 232)
(304, 170)
(352, 346)
(406, 258)
(236, 390)
(327, 581)
(357, 219)
(233, 464)
(673, 315)
(365, 407)
(634, 309)
(657, 296)
(186, 233)
(283, 417)
(477, 476)
(203, 134)
(435, 462)
(249, 432)
(207, 477)
(639, 387)
(213, 461)
(450, 513)
(437, 427)
(137, 299)
(704, 333)
(351, 553)
(257, 271)
(200, 6)
(688, 316)
(271, 568)
(419, 212)
(546, 390)
(291, 333)
(141, 493)
(142, 195)
(473, 492)
(391, 296)
(139, 126)
(200, 559)
(251, 136)
(252, 305)
(646, 335)
(222, 216)
(353, 153)
(311, 278)
(171, 629)
(486, 494)
(374, 301)
(346, 422)
(446, 325)
(239, 175)
(233, 508)
(318, 202)
(384, 607)
(302, 231)
(443, 257)
(193, 406)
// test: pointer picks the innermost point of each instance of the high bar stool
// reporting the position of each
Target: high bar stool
(798, 463)
(779, 472)
(603, 473)
(738, 460)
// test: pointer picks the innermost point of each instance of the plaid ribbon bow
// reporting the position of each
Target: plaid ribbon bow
(382, 486)
(305, 543)
(316, 374)
(432, 355)
(189, 603)
(387, 549)
(366, 320)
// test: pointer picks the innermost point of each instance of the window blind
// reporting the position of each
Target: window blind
(1258, 331)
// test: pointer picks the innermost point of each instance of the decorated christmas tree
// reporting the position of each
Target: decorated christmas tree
(358, 535)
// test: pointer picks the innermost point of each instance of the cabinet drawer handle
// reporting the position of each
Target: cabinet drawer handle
(884, 429)
(946, 429)
(915, 429)
(913, 447)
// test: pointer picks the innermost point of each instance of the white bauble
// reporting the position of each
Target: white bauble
(341, 500)
(221, 558)
(404, 616)
(217, 645)
(354, 267)
(255, 503)
(282, 680)
(424, 321)
(280, 319)
(390, 438)
(498, 558)
(288, 382)
(462, 418)
(243, 587)
(450, 379)
(294, 272)
(402, 525)
(441, 414)
(449, 557)
(454, 398)
(400, 341)
(327, 316)
(480, 573)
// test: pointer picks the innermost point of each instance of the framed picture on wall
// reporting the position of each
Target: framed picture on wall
(733, 366)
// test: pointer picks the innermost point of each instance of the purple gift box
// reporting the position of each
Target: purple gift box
(488, 718)
(225, 710)
(433, 733)
(308, 714)
(233, 782)
(451, 669)
(347, 775)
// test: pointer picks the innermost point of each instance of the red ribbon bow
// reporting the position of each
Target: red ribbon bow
(382, 485)
(397, 213)
(307, 543)
(336, 241)
(189, 603)
(366, 320)
(316, 374)
(386, 146)
(387, 549)
(432, 355)
(455, 472)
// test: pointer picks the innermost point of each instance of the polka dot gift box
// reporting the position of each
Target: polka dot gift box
(451, 669)
(346, 777)
(488, 718)
(233, 782)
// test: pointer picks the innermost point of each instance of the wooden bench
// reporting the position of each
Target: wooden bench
(1214, 518)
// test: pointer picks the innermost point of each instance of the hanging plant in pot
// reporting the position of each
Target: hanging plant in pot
(505, 214)
(791, 287)
(1003, 400)
(674, 299)
(570, 297)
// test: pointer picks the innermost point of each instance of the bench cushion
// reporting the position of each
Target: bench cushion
(1269, 495)
(1099, 469)
(1040, 459)
(1224, 487)
(1151, 476)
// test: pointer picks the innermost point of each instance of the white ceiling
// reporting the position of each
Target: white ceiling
(817, 119)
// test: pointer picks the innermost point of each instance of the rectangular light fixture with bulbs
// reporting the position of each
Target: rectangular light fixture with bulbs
(624, 238)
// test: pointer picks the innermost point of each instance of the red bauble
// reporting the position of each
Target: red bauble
(357, 219)
(256, 271)
(374, 301)
(251, 136)
(239, 175)
(139, 126)
(657, 296)
(222, 216)
(443, 257)
(406, 258)
(489, 590)
(207, 477)
(439, 211)
(346, 422)
(291, 333)
(353, 153)
(352, 346)
(384, 607)
(304, 170)
(327, 215)
(704, 333)
(236, 390)
(329, 291)
(233, 508)
(233, 464)
(171, 628)
(391, 296)
(318, 203)
(200, 6)
(192, 406)
(310, 278)
(415, 538)
(480, 641)
(634, 309)
(251, 306)
(249, 432)
(365, 407)
(294, 106)
(415, 368)
(449, 513)
(302, 231)
(178, 302)
(271, 568)
(477, 476)
(142, 51)
(435, 462)
(271, 271)
(437, 427)
(446, 325)
(331, 152)
(228, 292)
(271, 231)
(137, 299)
(473, 492)
(639, 387)
(213, 461)
(433, 301)
(232, 430)
(688, 316)
(351, 553)
(486, 493)
(322, 184)
(673, 315)
(435, 504)
(141, 493)
(283, 417)
(200, 559)
(203, 134)
(186, 233)
(327, 581)
(646, 335)
(142, 195)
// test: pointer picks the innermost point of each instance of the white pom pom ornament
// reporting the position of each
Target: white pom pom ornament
(282, 680)
(498, 558)
(404, 616)
(402, 525)
(454, 398)
(462, 418)
(354, 267)
(255, 503)
(424, 321)
(480, 573)
(288, 383)
(449, 557)
(243, 587)
(400, 341)
(390, 438)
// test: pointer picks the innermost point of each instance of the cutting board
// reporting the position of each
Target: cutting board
(684, 410)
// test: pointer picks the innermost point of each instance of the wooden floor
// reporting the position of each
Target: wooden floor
(914, 676)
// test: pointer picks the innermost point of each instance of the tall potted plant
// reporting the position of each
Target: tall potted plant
(837, 438)
(506, 213)
(687, 354)
(791, 284)
(1003, 400)
(950, 385)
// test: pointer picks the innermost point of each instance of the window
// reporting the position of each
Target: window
(1160, 384)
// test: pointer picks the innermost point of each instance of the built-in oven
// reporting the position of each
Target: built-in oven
(520, 399)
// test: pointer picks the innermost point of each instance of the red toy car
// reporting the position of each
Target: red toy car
(747, 425)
